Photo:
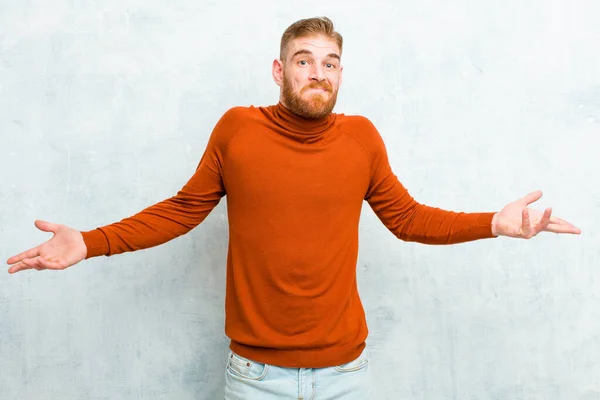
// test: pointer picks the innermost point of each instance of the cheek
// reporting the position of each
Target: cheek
(300, 80)
(334, 80)
(300, 85)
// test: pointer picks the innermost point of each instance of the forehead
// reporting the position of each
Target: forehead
(318, 45)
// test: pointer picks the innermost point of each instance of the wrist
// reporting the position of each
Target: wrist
(495, 225)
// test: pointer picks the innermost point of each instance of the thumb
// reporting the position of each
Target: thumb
(533, 196)
(46, 226)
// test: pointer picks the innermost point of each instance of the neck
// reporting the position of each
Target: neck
(296, 127)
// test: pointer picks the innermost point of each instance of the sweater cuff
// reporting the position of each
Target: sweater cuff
(96, 243)
(484, 225)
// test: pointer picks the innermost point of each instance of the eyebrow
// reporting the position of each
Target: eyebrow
(330, 55)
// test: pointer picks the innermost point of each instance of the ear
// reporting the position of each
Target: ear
(341, 74)
(278, 72)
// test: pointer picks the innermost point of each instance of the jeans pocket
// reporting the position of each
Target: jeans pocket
(242, 367)
(355, 365)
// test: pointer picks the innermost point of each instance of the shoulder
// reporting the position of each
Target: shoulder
(233, 121)
(354, 122)
(238, 115)
(362, 129)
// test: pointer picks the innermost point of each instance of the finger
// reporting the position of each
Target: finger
(545, 219)
(34, 252)
(533, 196)
(41, 263)
(18, 267)
(559, 221)
(32, 262)
(31, 253)
(559, 228)
(46, 226)
(525, 223)
(27, 263)
(50, 264)
(556, 220)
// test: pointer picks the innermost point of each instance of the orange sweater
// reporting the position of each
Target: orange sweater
(294, 194)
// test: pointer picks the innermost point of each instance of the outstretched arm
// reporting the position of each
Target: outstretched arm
(412, 221)
(153, 226)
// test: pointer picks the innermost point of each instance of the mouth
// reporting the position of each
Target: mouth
(318, 90)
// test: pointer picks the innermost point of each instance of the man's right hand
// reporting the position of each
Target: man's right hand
(64, 249)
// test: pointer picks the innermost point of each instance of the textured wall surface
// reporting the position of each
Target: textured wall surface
(105, 108)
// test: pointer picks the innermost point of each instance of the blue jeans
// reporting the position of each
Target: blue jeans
(249, 380)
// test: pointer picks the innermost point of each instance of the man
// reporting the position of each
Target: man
(295, 175)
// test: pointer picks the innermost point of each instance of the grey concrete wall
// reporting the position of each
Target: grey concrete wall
(105, 108)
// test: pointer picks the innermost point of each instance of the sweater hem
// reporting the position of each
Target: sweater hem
(300, 358)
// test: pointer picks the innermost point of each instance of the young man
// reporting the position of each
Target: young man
(295, 175)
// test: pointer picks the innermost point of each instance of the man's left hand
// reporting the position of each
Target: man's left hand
(518, 221)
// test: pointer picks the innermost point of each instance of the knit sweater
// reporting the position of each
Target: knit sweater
(294, 188)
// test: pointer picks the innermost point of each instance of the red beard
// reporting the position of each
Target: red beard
(316, 107)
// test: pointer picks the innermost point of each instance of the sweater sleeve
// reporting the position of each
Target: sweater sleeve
(411, 221)
(174, 216)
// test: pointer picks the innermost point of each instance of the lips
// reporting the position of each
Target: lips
(319, 88)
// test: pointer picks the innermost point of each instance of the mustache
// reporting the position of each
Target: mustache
(319, 85)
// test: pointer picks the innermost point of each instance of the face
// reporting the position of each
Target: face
(309, 76)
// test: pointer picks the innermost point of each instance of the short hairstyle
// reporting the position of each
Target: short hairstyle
(309, 27)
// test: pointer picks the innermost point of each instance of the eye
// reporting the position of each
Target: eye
(303, 62)
(330, 66)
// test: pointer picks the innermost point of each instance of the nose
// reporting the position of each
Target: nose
(317, 73)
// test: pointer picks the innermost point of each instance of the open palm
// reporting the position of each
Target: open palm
(519, 221)
(64, 249)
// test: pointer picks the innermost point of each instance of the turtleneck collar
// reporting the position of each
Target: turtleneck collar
(299, 128)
